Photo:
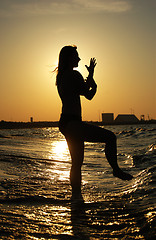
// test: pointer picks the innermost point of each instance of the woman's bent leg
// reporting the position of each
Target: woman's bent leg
(93, 133)
(80, 132)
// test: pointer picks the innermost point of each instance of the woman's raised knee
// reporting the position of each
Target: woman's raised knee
(111, 137)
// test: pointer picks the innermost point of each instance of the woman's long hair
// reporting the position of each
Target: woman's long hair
(64, 58)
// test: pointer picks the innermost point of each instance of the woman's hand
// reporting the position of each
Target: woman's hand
(90, 81)
(91, 67)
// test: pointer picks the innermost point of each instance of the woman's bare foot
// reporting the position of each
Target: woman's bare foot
(76, 195)
(122, 175)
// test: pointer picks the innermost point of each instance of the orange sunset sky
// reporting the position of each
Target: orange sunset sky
(120, 34)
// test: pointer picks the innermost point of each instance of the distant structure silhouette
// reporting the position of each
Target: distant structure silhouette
(108, 118)
(126, 118)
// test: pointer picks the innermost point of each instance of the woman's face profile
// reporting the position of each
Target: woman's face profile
(75, 59)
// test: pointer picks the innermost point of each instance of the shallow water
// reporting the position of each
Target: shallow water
(35, 194)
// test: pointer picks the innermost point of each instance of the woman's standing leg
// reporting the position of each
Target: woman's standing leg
(76, 149)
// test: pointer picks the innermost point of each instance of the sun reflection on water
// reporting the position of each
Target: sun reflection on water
(60, 149)
(60, 154)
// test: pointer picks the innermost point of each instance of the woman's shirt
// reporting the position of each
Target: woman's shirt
(70, 86)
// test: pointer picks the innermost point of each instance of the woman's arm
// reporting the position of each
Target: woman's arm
(91, 88)
(90, 83)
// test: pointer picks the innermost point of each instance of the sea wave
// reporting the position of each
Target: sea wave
(137, 131)
(145, 157)
(34, 200)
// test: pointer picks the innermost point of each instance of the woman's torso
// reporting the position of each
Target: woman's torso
(70, 86)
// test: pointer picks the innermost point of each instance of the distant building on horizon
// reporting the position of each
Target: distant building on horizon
(107, 118)
(126, 118)
(31, 119)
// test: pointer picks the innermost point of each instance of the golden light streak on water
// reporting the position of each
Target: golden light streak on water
(60, 154)
(60, 149)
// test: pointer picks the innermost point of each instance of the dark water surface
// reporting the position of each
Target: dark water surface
(35, 194)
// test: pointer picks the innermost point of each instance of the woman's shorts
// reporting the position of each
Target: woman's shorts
(65, 119)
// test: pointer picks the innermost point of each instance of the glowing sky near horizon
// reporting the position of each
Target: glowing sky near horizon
(121, 34)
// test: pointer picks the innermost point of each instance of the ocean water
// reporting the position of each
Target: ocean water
(35, 194)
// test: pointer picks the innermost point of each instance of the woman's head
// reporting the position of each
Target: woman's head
(68, 57)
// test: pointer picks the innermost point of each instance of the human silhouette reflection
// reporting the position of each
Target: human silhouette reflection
(79, 219)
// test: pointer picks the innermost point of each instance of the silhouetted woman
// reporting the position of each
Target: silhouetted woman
(71, 85)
